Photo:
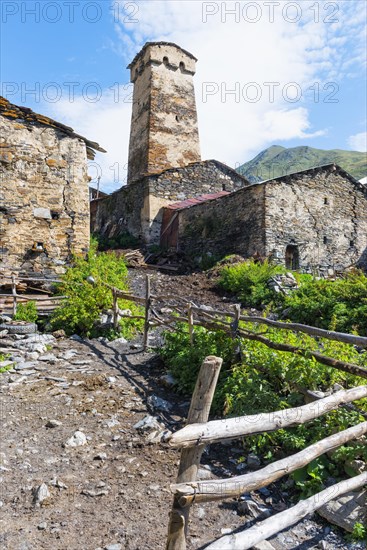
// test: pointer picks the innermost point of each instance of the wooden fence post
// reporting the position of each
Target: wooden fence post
(190, 458)
(14, 293)
(115, 309)
(147, 311)
(190, 316)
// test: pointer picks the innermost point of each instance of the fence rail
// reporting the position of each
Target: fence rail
(198, 432)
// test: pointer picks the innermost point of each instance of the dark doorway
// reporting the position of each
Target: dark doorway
(292, 257)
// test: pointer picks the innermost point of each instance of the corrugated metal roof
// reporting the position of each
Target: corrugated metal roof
(197, 200)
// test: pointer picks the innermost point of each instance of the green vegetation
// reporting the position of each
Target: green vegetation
(359, 532)
(81, 311)
(265, 380)
(27, 312)
(336, 305)
(339, 305)
(4, 358)
(249, 281)
(277, 161)
(125, 240)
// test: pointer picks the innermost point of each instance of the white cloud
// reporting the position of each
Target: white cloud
(231, 55)
(358, 142)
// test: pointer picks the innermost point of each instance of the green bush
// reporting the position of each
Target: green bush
(80, 312)
(27, 312)
(336, 305)
(125, 240)
(248, 280)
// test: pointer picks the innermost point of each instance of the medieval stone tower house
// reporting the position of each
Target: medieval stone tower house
(164, 129)
(315, 219)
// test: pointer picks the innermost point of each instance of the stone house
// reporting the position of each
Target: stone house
(44, 195)
(316, 219)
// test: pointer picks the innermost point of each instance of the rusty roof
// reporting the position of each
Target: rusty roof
(24, 114)
(197, 200)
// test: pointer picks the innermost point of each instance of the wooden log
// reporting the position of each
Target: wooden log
(115, 309)
(190, 317)
(147, 311)
(297, 327)
(205, 491)
(276, 523)
(350, 368)
(190, 458)
(232, 428)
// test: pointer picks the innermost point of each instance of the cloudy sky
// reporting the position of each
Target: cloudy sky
(268, 72)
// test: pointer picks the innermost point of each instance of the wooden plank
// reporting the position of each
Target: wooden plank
(147, 311)
(276, 523)
(218, 489)
(190, 458)
(232, 428)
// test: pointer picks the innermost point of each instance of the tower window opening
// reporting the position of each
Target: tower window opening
(326, 201)
(325, 240)
(351, 243)
(165, 60)
(177, 118)
(182, 66)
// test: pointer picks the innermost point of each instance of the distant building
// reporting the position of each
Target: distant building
(44, 197)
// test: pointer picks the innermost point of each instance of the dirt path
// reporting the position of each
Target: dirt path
(113, 491)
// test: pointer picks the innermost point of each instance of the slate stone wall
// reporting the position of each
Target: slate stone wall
(323, 213)
(43, 198)
(234, 223)
(137, 207)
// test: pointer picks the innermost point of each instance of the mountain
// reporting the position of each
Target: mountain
(277, 161)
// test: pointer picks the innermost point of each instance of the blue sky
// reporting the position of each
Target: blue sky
(297, 70)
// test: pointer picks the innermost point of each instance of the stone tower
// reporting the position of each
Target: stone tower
(164, 130)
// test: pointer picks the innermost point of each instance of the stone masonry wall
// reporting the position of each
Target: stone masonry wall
(230, 224)
(43, 197)
(124, 211)
(137, 207)
(323, 213)
(164, 129)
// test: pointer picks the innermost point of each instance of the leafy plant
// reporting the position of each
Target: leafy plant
(359, 531)
(85, 302)
(337, 305)
(8, 367)
(249, 281)
(266, 380)
(27, 312)
(124, 240)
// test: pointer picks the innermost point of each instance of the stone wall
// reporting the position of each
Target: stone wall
(323, 212)
(231, 224)
(124, 211)
(137, 207)
(164, 129)
(320, 213)
(43, 197)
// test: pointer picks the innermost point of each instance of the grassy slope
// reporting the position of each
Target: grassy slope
(277, 161)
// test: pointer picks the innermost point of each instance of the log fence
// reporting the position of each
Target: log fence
(199, 432)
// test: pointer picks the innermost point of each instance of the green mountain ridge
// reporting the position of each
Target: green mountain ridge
(278, 161)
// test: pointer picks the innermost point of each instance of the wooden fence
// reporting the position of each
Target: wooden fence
(198, 432)
(45, 304)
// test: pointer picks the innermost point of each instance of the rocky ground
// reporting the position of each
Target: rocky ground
(79, 465)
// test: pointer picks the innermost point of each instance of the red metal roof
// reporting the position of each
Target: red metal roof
(197, 200)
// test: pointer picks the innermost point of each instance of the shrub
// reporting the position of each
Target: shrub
(249, 281)
(125, 240)
(80, 312)
(336, 305)
(27, 312)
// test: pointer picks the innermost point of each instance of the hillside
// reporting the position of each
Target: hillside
(277, 161)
